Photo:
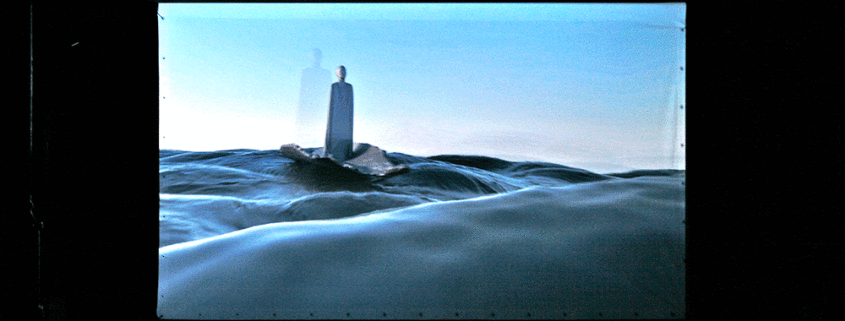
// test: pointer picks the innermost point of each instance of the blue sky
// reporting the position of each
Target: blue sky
(596, 86)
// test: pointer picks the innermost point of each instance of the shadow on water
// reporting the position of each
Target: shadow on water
(480, 162)
(325, 179)
(649, 172)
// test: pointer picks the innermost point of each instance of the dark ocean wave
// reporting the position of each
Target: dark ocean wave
(262, 186)
(448, 182)
(250, 234)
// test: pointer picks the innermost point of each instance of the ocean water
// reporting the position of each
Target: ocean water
(250, 234)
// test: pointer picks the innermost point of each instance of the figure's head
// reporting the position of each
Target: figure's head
(318, 56)
(341, 72)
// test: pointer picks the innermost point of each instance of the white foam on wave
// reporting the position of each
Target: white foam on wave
(612, 248)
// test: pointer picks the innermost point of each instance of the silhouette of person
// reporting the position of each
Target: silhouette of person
(339, 128)
(313, 89)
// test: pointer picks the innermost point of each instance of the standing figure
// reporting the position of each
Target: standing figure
(339, 129)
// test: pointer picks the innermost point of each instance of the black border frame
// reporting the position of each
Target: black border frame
(763, 133)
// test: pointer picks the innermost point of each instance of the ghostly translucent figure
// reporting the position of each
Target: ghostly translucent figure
(339, 129)
(313, 89)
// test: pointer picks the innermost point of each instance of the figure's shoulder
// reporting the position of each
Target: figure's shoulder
(344, 85)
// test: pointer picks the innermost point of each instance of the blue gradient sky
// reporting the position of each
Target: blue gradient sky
(595, 86)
